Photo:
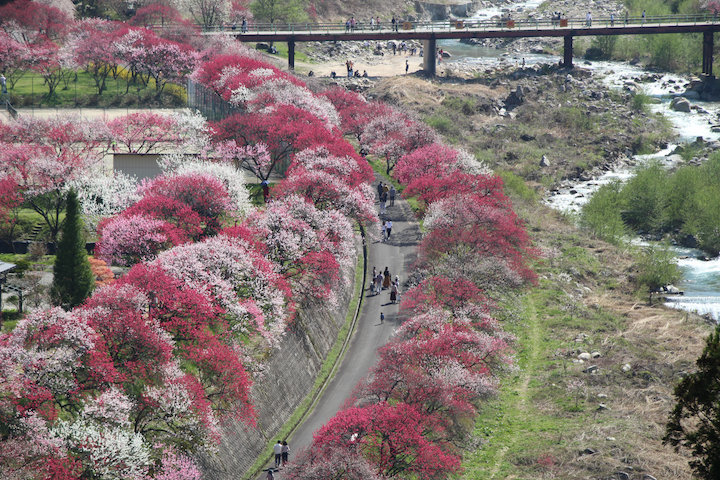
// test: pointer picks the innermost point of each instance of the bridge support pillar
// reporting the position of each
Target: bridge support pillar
(291, 54)
(429, 47)
(708, 44)
(568, 51)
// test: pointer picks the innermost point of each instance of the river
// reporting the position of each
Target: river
(701, 277)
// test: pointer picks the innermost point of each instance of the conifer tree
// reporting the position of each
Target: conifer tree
(695, 421)
(73, 279)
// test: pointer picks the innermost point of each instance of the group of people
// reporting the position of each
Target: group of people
(243, 25)
(383, 281)
(386, 193)
(351, 24)
(282, 452)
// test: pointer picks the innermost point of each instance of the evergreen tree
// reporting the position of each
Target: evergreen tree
(695, 421)
(73, 279)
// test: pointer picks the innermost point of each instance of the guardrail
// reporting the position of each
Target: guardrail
(465, 24)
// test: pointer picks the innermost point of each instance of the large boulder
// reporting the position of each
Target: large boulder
(680, 104)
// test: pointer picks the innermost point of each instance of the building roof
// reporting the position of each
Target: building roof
(6, 267)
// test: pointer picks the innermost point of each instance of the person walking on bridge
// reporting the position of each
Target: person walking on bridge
(588, 20)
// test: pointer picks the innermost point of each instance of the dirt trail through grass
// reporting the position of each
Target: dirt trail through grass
(520, 410)
(510, 420)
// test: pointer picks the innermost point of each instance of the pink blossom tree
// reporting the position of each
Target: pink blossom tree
(145, 132)
(241, 281)
(14, 57)
(330, 464)
(94, 51)
(45, 156)
(331, 182)
(314, 249)
(393, 135)
(128, 239)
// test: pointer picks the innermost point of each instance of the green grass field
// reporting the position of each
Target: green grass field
(80, 90)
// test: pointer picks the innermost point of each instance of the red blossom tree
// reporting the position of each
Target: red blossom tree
(394, 439)
(468, 222)
(32, 20)
(285, 130)
(430, 188)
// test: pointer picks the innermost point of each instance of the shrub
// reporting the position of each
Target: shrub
(657, 267)
(601, 214)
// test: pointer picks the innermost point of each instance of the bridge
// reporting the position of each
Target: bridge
(430, 32)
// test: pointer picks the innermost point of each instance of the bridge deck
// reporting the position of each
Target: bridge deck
(472, 29)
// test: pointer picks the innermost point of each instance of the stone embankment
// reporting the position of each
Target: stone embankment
(287, 377)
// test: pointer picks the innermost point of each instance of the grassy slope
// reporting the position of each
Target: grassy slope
(547, 412)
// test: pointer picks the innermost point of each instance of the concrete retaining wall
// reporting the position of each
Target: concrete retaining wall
(289, 375)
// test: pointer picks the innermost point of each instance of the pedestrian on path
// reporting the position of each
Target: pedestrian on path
(407, 66)
(270, 475)
(388, 229)
(382, 204)
(393, 292)
(285, 452)
(380, 190)
(378, 283)
(382, 317)
(277, 449)
(386, 278)
(588, 20)
(383, 231)
(392, 195)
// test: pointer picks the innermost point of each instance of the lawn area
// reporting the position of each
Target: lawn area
(80, 90)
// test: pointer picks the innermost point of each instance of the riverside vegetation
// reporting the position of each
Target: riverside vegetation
(597, 365)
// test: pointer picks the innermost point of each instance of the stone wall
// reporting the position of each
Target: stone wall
(288, 377)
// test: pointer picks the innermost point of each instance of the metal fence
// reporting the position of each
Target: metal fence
(210, 104)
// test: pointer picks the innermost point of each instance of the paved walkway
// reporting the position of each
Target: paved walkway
(398, 254)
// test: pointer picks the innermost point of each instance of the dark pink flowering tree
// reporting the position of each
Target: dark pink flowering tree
(395, 439)
(477, 224)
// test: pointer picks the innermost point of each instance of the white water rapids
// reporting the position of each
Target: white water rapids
(701, 282)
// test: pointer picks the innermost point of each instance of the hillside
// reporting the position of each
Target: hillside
(597, 364)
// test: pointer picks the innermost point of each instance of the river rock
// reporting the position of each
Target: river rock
(544, 162)
(595, 354)
(584, 356)
(680, 104)
(622, 476)
(626, 368)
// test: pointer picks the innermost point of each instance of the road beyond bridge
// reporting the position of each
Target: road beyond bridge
(430, 32)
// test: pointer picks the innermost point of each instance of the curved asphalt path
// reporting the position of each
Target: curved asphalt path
(398, 254)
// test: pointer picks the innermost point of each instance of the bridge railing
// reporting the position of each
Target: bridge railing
(499, 23)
